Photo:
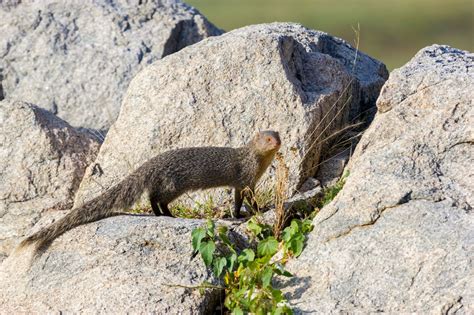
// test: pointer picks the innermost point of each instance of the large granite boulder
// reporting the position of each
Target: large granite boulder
(42, 161)
(125, 264)
(76, 58)
(399, 237)
(302, 83)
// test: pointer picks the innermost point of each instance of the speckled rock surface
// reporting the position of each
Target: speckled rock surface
(76, 58)
(332, 168)
(42, 161)
(124, 264)
(399, 237)
(221, 90)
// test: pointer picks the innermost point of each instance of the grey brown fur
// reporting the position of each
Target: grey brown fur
(170, 174)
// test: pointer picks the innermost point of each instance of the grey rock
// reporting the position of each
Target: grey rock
(309, 184)
(399, 237)
(331, 169)
(8, 4)
(77, 58)
(223, 89)
(125, 264)
(42, 163)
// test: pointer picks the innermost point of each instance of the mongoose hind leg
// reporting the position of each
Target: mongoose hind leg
(156, 209)
(154, 204)
(159, 208)
(237, 204)
(164, 209)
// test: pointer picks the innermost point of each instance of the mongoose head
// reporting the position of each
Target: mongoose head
(266, 142)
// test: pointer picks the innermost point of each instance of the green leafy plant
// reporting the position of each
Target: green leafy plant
(247, 275)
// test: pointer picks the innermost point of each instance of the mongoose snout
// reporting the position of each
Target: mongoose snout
(268, 141)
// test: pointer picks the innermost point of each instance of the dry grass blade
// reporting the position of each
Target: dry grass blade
(327, 126)
(342, 143)
(354, 64)
(330, 110)
(281, 191)
(337, 132)
(337, 150)
(356, 43)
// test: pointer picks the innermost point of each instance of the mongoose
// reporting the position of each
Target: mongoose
(168, 175)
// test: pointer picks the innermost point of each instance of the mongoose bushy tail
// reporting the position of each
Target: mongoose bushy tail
(120, 196)
(170, 174)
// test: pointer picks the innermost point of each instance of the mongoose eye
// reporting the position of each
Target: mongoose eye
(269, 140)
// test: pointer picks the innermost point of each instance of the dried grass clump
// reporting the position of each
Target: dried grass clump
(281, 194)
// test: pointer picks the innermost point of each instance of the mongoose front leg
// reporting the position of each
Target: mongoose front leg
(237, 203)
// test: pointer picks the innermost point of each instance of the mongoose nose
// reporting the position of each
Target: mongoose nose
(276, 138)
(277, 142)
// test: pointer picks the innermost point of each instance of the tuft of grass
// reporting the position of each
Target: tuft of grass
(281, 193)
(329, 193)
(202, 210)
(141, 209)
(264, 198)
(305, 209)
(261, 198)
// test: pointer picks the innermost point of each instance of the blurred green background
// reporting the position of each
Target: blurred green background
(391, 31)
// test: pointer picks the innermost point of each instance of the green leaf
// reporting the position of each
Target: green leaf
(295, 226)
(280, 270)
(267, 247)
(290, 231)
(219, 265)
(255, 228)
(222, 229)
(247, 255)
(267, 275)
(277, 295)
(207, 250)
(278, 311)
(286, 235)
(265, 260)
(223, 236)
(197, 235)
(237, 311)
(231, 261)
(283, 310)
(307, 226)
(296, 245)
(210, 228)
